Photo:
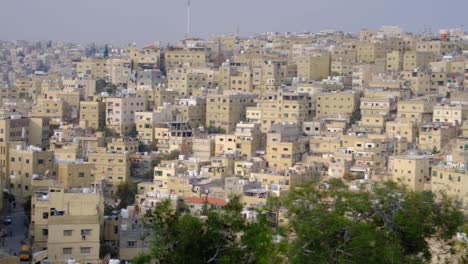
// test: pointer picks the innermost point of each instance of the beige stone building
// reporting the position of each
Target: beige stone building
(120, 113)
(68, 223)
(184, 81)
(416, 59)
(283, 106)
(412, 169)
(315, 67)
(436, 136)
(92, 68)
(111, 167)
(226, 110)
(335, 104)
(191, 110)
(178, 57)
(450, 181)
(93, 114)
(148, 55)
(24, 164)
(402, 129)
(455, 114)
(284, 146)
(416, 110)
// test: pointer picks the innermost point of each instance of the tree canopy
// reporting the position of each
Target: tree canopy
(327, 223)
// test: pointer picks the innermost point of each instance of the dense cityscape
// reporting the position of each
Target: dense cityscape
(326, 147)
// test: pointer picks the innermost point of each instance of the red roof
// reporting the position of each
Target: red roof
(151, 47)
(202, 200)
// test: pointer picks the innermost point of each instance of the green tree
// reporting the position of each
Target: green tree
(106, 52)
(387, 224)
(126, 194)
(222, 236)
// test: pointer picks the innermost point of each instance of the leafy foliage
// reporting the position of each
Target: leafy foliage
(126, 194)
(328, 223)
(222, 236)
(386, 225)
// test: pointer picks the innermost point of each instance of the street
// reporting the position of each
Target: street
(16, 233)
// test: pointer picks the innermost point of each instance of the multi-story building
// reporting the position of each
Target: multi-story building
(170, 136)
(412, 169)
(434, 137)
(191, 110)
(113, 168)
(336, 104)
(455, 114)
(92, 68)
(284, 146)
(184, 81)
(120, 113)
(416, 110)
(93, 114)
(315, 67)
(177, 57)
(68, 223)
(450, 181)
(24, 164)
(150, 55)
(226, 110)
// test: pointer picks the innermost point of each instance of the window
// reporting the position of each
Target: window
(81, 174)
(40, 161)
(67, 250)
(45, 232)
(131, 244)
(85, 250)
(45, 215)
(67, 232)
(85, 232)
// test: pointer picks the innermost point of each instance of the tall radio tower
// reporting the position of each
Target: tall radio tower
(188, 19)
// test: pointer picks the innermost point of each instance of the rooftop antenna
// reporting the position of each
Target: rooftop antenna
(188, 19)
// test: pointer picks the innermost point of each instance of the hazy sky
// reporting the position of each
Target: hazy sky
(145, 21)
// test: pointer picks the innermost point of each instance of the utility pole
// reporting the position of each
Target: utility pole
(188, 19)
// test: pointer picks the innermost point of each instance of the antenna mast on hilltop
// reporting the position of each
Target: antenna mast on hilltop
(188, 19)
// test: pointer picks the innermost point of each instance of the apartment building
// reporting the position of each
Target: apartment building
(93, 114)
(157, 97)
(75, 174)
(147, 79)
(394, 61)
(184, 81)
(416, 110)
(118, 70)
(111, 167)
(314, 67)
(434, 137)
(178, 57)
(336, 104)
(68, 223)
(56, 110)
(170, 136)
(24, 164)
(150, 55)
(450, 181)
(284, 146)
(455, 114)
(412, 169)
(416, 59)
(249, 139)
(92, 68)
(226, 110)
(120, 113)
(191, 110)
(402, 129)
